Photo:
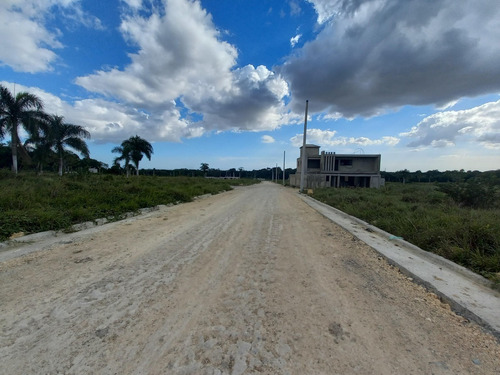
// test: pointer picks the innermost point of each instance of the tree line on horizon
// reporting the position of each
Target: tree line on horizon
(49, 136)
(405, 176)
(51, 141)
(206, 171)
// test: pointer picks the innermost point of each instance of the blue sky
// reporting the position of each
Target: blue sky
(225, 82)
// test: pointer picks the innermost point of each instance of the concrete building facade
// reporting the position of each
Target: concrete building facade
(329, 169)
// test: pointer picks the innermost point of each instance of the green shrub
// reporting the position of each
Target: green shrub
(432, 218)
(475, 193)
(31, 203)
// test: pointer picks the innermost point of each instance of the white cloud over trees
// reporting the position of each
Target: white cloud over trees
(182, 59)
(329, 138)
(480, 124)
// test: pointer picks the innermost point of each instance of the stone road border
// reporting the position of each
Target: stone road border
(468, 294)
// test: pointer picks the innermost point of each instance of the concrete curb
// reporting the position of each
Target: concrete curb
(74, 228)
(468, 294)
(44, 240)
(30, 243)
(53, 236)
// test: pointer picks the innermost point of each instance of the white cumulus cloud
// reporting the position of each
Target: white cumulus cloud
(109, 121)
(329, 138)
(27, 44)
(480, 124)
(295, 40)
(182, 58)
(267, 139)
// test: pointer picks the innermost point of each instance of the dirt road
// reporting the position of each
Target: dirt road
(252, 281)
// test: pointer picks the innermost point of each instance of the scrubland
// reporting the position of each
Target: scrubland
(460, 222)
(30, 203)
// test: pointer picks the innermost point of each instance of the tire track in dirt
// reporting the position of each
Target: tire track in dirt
(227, 335)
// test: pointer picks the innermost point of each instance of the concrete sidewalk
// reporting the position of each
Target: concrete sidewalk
(467, 293)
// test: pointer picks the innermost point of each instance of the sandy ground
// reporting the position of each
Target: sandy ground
(252, 281)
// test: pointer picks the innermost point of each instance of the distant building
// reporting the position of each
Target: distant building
(329, 169)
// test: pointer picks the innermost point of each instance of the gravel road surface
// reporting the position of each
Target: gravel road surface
(252, 281)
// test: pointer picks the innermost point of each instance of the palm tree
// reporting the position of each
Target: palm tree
(25, 109)
(124, 152)
(40, 143)
(4, 156)
(62, 134)
(133, 149)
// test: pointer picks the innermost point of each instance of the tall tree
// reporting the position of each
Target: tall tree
(4, 156)
(63, 135)
(133, 149)
(204, 168)
(40, 143)
(24, 109)
(124, 156)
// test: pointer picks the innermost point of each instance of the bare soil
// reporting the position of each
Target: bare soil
(252, 281)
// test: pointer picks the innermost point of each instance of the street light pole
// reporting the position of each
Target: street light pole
(304, 159)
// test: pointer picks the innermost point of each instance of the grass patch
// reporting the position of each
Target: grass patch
(429, 218)
(31, 203)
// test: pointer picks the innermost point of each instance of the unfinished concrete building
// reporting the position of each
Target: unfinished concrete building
(329, 169)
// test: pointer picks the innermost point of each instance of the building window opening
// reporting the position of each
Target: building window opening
(346, 162)
(313, 163)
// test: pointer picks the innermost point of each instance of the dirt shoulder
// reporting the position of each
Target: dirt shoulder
(249, 281)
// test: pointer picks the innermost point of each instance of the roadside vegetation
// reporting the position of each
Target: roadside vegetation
(32, 203)
(33, 198)
(457, 220)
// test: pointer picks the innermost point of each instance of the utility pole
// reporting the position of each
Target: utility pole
(284, 168)
(303, 168)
